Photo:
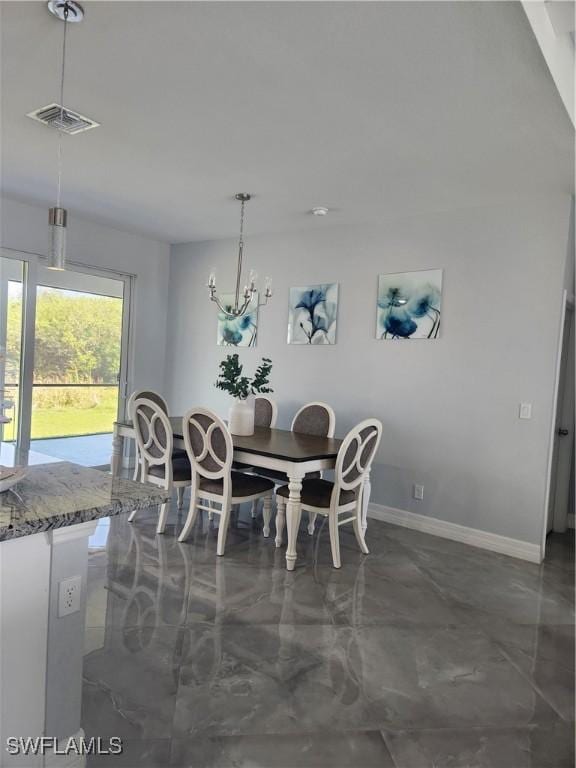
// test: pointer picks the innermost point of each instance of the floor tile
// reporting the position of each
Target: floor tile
(459, 656)
(300, 750)
(136, 753)
(521, 592)
(130, 682)
(380, 592)
(281, 679)
(545, 655)
(525, 747)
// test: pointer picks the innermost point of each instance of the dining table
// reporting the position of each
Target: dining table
(294, 453)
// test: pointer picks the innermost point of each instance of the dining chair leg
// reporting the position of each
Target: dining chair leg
(311, 522)
(359, 530)
(280, 519)
(334, 538)
(132, 515)
(162, 518)
(191, 519)
(223, 529)
(254, 511)
(267, 514)
(136, 466)
(180, 495)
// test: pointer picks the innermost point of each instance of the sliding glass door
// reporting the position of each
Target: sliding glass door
(62, 401)
(12, 272)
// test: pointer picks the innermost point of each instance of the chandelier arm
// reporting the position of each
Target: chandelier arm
(263, 303)
(237, 312)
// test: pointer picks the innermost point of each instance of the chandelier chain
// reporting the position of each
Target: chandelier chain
(240, 257)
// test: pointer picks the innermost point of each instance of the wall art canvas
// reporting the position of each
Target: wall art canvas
(238, 331)
(312, 314)
(409, 305)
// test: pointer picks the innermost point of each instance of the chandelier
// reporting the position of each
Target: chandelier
(243, 298)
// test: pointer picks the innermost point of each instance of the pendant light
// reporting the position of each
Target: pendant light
(66, 11)
(242, 300)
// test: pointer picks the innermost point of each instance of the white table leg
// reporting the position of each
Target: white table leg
(366, 501)
(293, 514)
(117, 446)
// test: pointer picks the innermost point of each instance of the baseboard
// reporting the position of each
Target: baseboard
(472, 536)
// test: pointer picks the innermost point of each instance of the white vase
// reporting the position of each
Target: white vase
(241, 417)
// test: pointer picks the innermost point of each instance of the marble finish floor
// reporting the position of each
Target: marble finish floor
(424, 654)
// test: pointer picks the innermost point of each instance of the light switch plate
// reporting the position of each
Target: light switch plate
(525, 411)
(69, 593)
(418, 492)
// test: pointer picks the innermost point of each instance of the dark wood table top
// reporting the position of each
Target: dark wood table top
(275, 443)
(284, 444)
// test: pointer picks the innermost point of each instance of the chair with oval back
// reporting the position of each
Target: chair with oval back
(209, 448)
(155, 397)
(314, 418)
(265, 415)
(155, 446)
(344, 495)
(265, 411)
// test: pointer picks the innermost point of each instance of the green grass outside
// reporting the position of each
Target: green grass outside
(72, 419)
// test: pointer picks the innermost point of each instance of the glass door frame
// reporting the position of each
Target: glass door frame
(31, 263)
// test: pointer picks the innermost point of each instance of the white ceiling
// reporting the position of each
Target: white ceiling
(376, 110)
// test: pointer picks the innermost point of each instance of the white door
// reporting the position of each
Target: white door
(562, 474)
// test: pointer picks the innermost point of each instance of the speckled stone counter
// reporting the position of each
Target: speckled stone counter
(63, 494)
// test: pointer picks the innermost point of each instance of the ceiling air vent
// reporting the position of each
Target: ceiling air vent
(63, 119)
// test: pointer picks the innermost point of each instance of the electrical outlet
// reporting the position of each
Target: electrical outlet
(69, 592)
(525, 411)
(418, 492)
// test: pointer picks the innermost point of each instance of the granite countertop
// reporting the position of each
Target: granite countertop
(62, 494)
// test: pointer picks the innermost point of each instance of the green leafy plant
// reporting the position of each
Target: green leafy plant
(232, 381)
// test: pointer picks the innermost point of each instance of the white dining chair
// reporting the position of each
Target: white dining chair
(265, 411)
(155, 445)
(210, 451)
(265, 415)
(156, 397)
(315, 418)
(344, 495)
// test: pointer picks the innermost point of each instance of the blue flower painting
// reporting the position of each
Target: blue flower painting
(312, 314)
(238, 331)
(409, 305)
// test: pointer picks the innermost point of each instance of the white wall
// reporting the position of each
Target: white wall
(449, 407)
(25, 228)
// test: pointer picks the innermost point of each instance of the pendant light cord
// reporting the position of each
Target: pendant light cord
(59, 187)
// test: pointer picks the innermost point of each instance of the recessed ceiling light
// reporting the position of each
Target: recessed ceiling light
(319, 210)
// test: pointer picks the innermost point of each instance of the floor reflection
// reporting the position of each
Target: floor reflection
(206, 661)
